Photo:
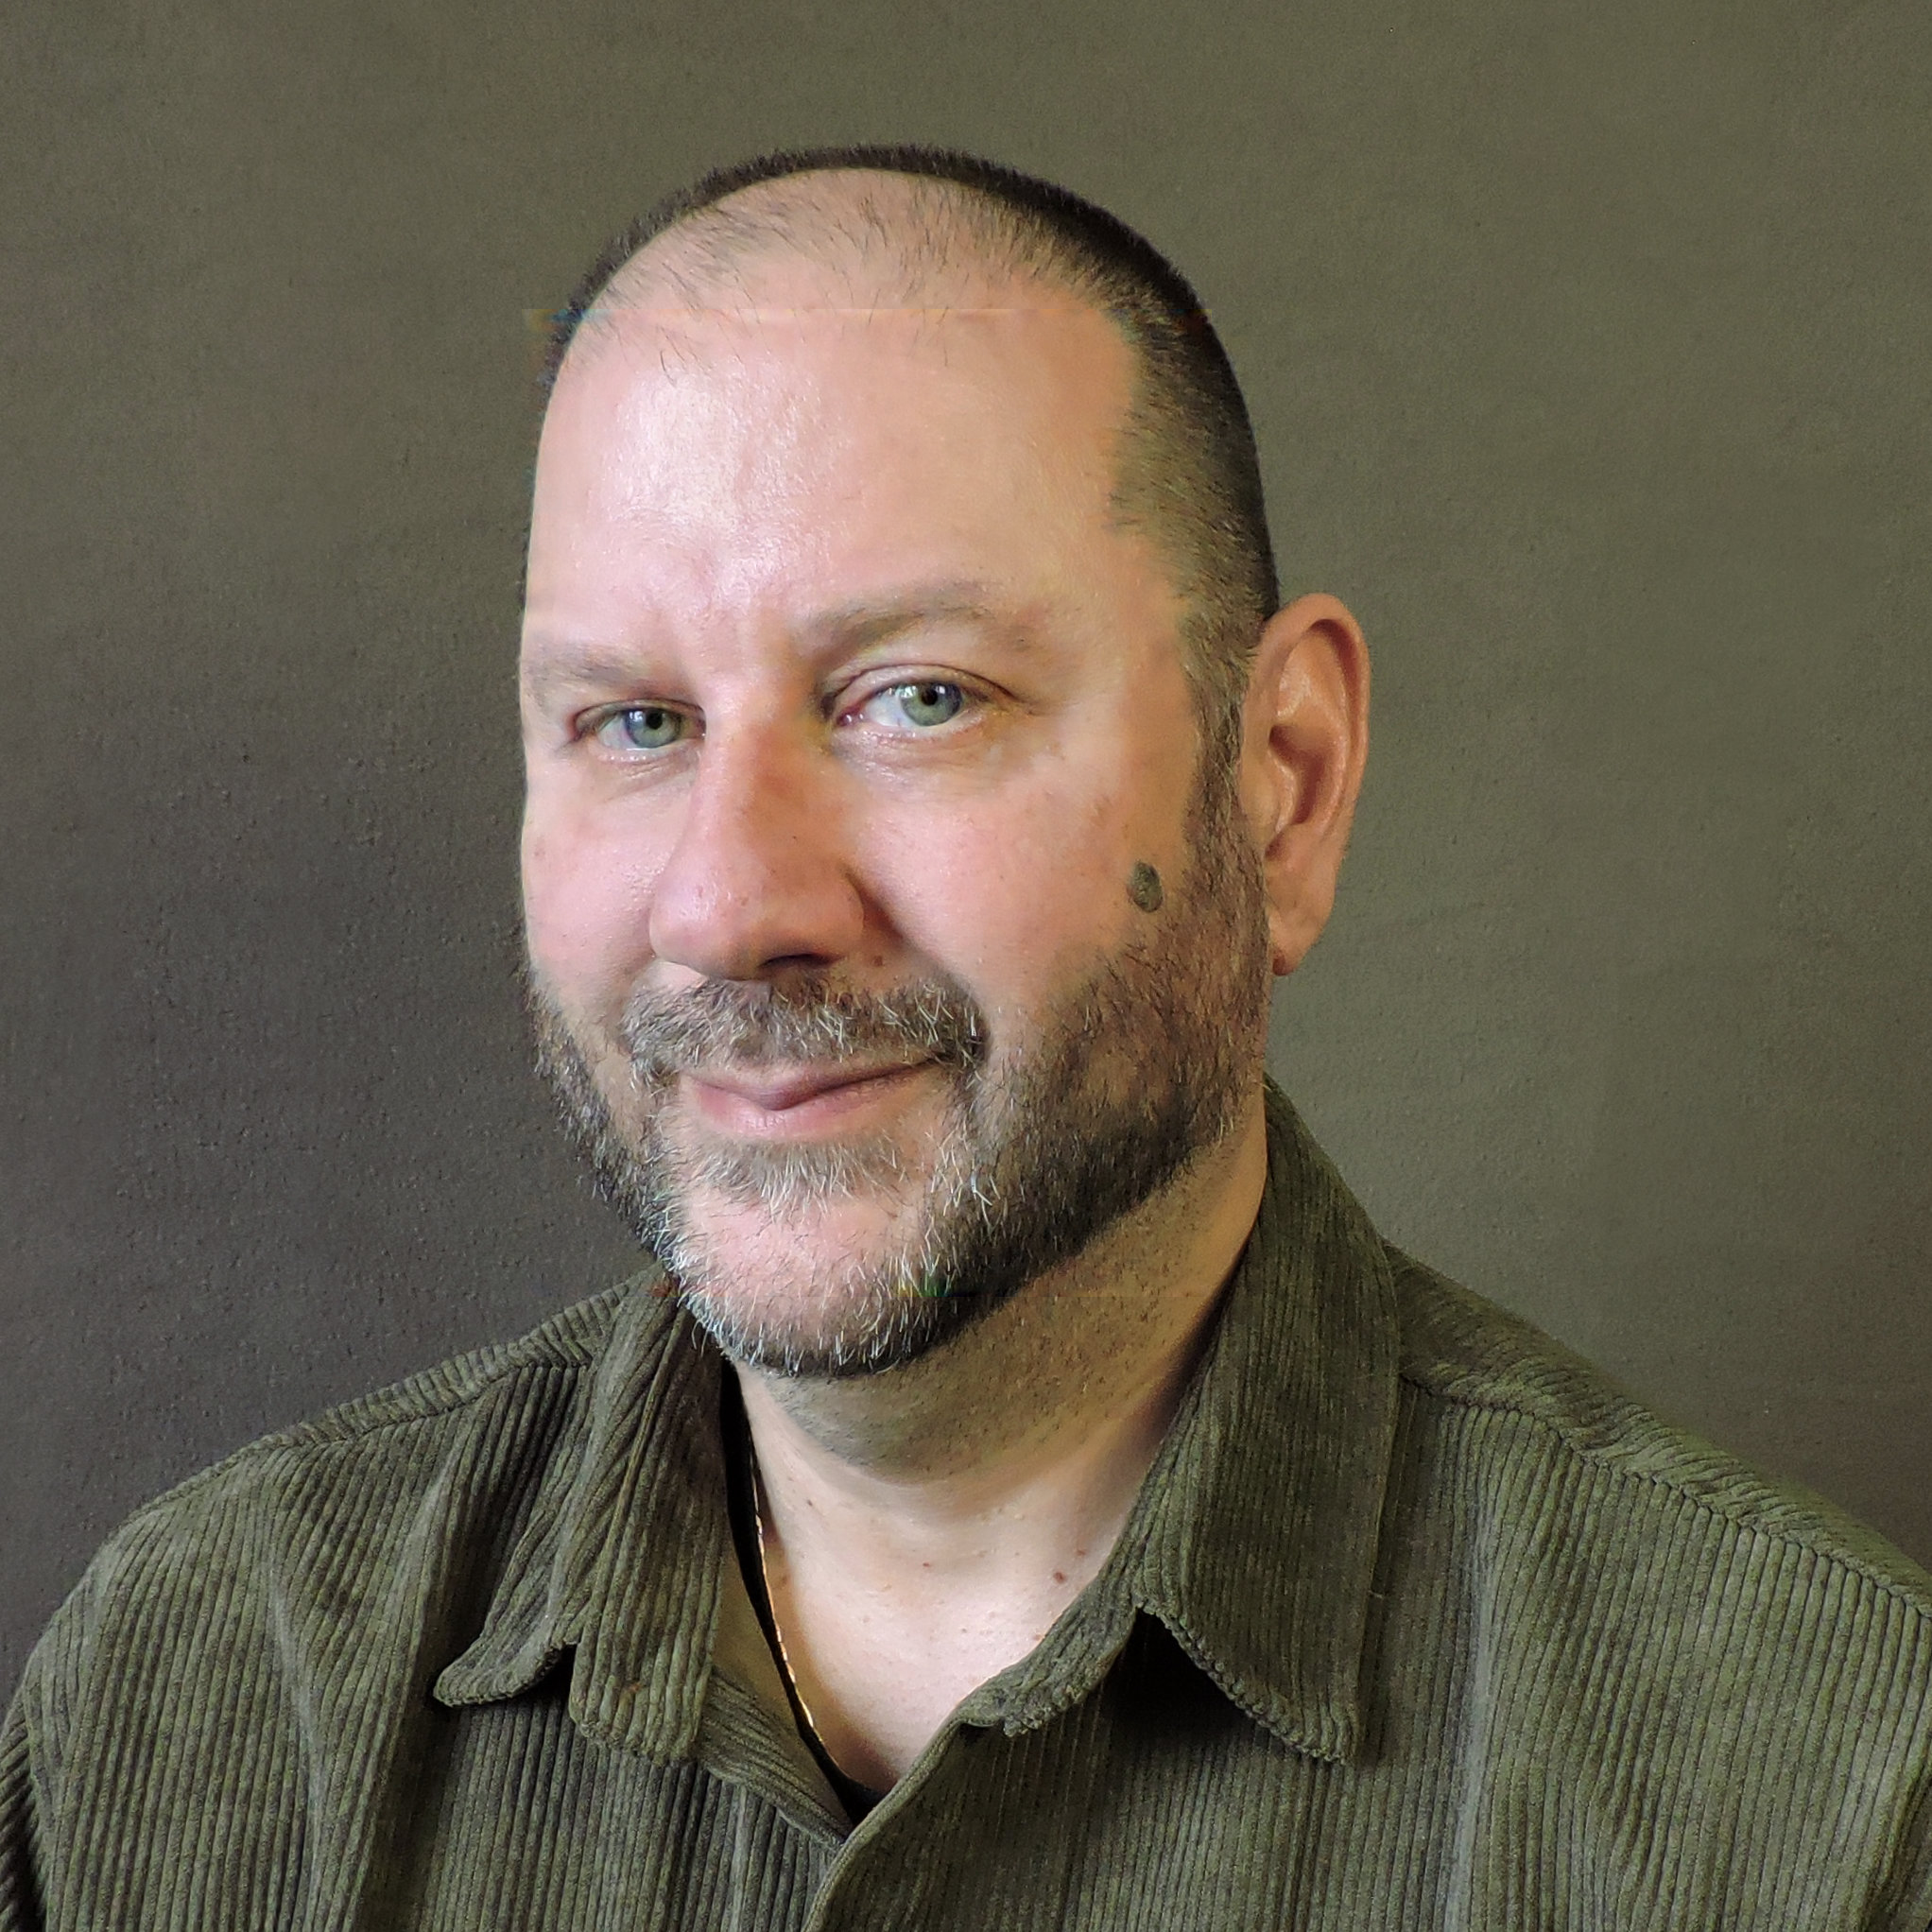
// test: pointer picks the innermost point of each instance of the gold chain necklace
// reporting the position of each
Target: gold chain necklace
(791, 1680)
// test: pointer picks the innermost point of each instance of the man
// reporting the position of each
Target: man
(1028, 1493)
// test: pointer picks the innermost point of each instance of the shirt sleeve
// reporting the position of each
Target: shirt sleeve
(22, 1848)
(33, 1753)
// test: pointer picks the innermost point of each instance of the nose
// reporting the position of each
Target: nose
(757, 880)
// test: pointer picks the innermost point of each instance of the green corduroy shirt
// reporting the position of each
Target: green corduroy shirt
(1416, 1623)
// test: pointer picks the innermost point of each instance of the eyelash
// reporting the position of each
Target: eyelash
(592, 724)
(968, 698)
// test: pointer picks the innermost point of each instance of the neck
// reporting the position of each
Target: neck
(954, 1507)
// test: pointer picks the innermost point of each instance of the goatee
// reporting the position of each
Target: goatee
(1046, 1139)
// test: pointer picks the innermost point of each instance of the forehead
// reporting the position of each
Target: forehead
(798, 426)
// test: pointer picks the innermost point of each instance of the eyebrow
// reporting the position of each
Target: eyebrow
(571, 671)
(569, 668)
(865, 621)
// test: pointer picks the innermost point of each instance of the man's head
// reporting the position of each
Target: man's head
(898, 904)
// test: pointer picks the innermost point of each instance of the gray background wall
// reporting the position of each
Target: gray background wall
(1587, 347)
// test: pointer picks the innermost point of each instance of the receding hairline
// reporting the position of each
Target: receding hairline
(884, 240)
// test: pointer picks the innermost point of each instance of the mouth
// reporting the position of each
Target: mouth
(790, 1102)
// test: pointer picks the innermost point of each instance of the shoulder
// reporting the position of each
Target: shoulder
(293, 1602)
(432, 1474)
(1711, 1682)
(407, 1432)
(1554, 1423)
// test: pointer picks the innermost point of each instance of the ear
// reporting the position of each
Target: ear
(1304, 740)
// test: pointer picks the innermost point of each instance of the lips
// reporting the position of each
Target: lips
(784, 1091)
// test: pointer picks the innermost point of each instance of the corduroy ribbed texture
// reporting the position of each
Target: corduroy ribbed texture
(1416, 1623)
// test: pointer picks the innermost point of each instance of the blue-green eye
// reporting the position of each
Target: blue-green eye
(642, 728)
(927, 703)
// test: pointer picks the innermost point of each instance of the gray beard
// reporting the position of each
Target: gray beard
(1046, 1141)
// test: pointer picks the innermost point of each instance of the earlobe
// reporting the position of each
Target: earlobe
(1305, 738)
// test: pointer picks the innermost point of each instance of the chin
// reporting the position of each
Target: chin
(832, 1289)
(834, 1318)
(816, 1242)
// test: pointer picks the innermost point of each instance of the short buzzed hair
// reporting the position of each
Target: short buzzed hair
(1186, 477)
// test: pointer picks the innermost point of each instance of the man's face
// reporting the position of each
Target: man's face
(849, 715)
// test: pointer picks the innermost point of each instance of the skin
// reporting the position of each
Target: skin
(760, 517)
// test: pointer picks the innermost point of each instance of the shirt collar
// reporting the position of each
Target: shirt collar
(1254, 1540)
(1255, 1536)
(619, 1558)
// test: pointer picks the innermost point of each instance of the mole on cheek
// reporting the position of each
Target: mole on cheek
(1143, 886)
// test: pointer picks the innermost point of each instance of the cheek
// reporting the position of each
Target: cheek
(1014, 898)
(586, 908)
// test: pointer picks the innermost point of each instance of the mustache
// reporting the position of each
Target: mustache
(809, 1020)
